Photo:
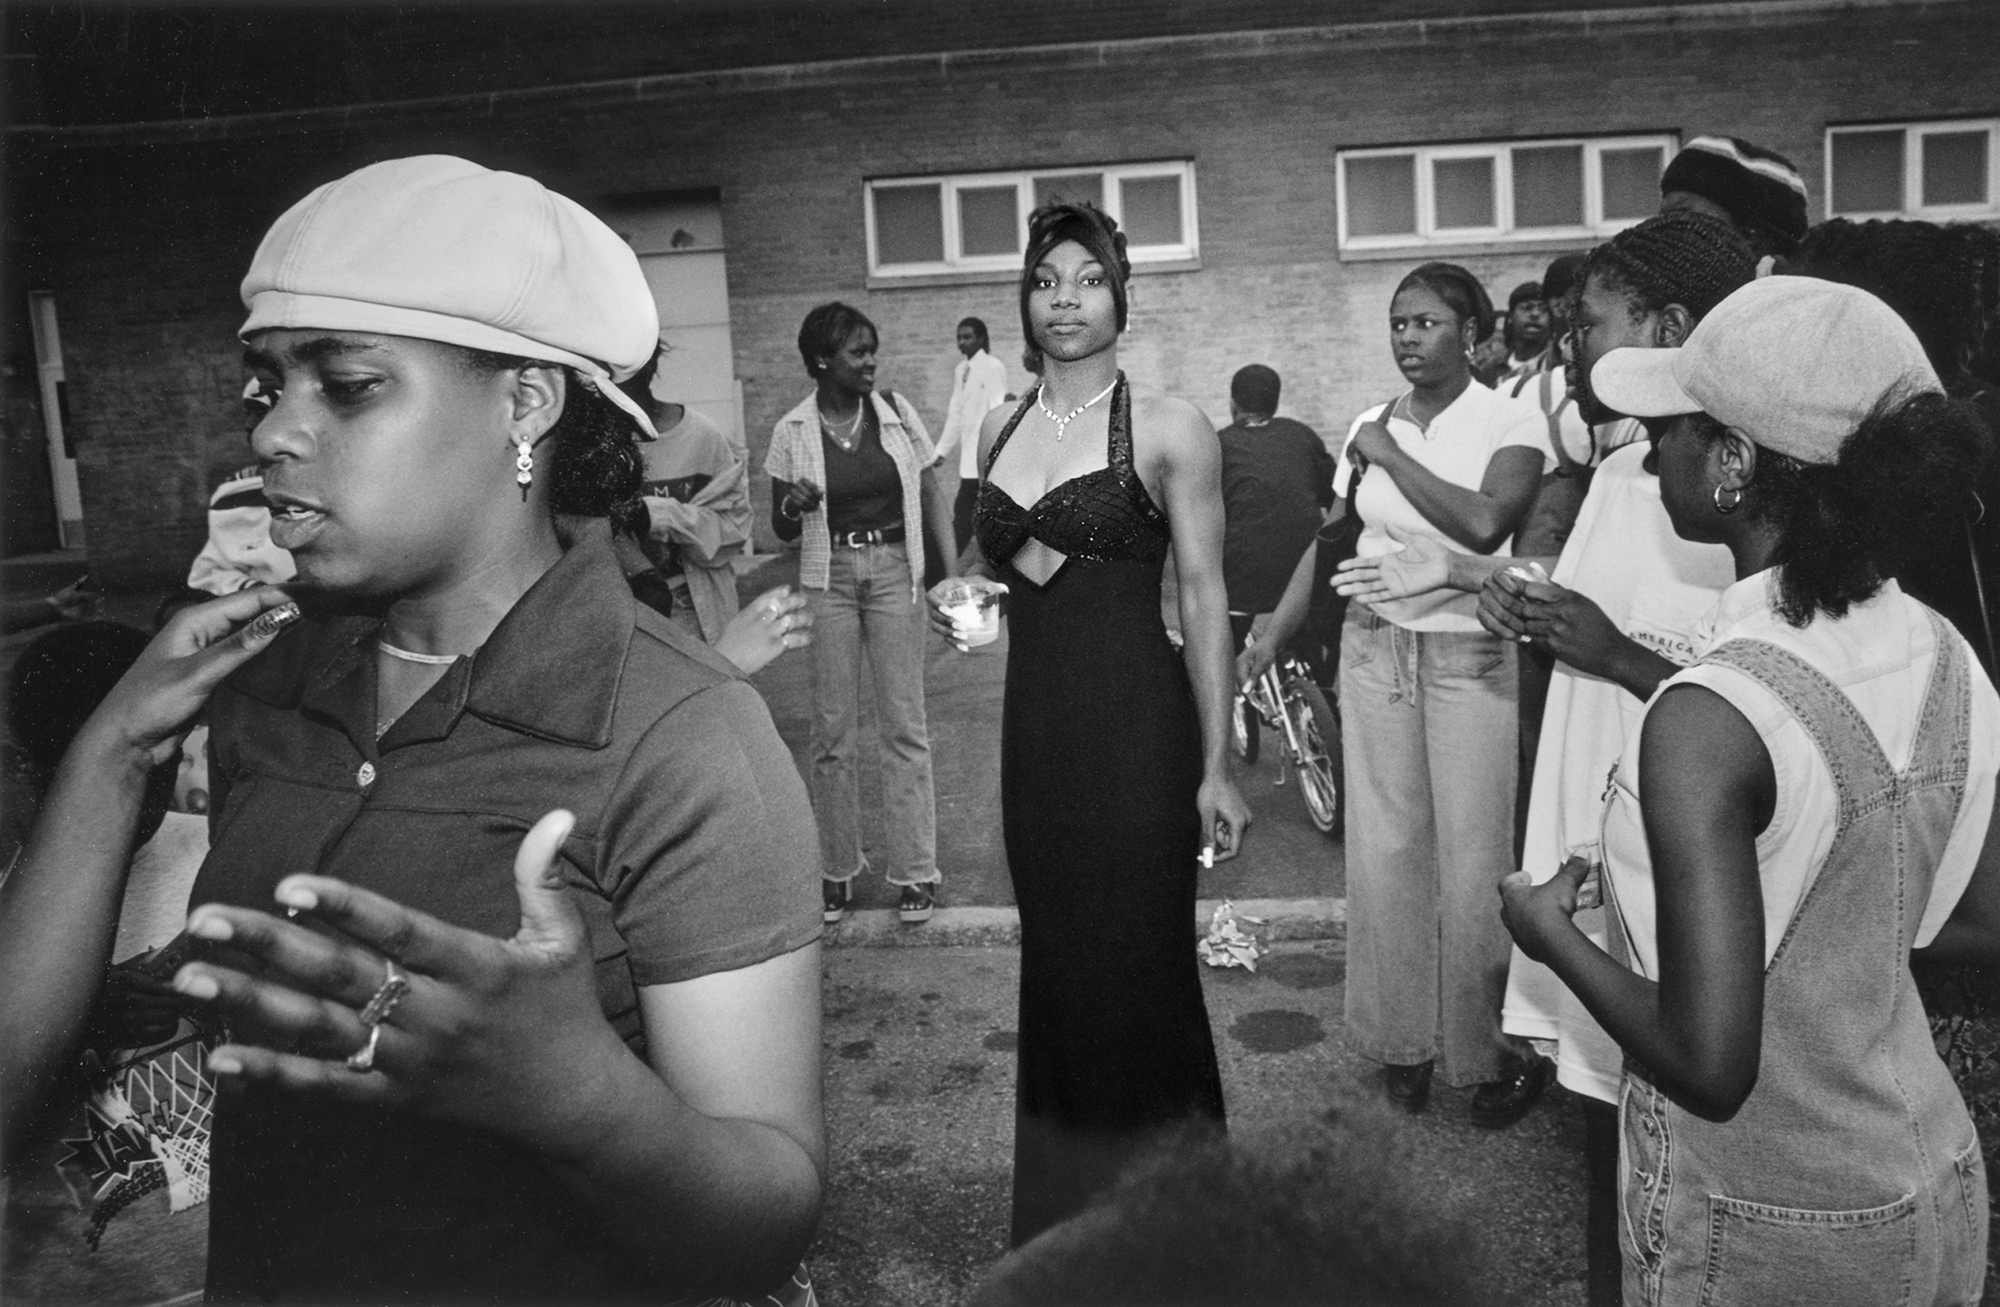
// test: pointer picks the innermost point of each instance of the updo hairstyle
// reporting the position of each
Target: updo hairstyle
(1090, 227)
(1458, 288)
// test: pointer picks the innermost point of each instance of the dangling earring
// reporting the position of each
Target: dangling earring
(524, 465)
(1732, 505)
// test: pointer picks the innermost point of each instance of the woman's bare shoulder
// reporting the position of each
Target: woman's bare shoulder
(1169, 422)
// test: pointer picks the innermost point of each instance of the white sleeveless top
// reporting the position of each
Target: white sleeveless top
(1880, 655)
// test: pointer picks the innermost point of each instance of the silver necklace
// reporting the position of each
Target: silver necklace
(832, 428)
(411, 656)
(1062, 423)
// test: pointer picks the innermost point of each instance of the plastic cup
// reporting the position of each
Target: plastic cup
(973, 606)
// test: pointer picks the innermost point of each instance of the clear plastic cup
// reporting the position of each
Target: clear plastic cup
(973, 605)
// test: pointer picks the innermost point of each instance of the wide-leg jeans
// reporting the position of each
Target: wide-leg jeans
(1429, 731)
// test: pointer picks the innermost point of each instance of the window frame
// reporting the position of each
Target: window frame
(956, 263)
(1914, 130)
(1503, 232)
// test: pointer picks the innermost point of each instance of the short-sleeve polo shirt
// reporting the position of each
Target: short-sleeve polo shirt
(694, 852)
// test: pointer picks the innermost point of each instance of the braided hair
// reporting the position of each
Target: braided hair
(1090, 227)
(1931, 275)
(1680, 257)
(1459, 289)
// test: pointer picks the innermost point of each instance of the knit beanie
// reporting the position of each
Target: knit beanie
(1757, 187)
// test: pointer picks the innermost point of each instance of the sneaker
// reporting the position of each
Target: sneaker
(834, 897)
(1409, 1087)
(918, 902)
(1500, 1103)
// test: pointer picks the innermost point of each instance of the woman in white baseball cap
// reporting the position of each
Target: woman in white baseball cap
(1797, 811)
(450, 1089)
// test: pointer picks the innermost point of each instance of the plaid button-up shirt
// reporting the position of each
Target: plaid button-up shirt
(796, 452)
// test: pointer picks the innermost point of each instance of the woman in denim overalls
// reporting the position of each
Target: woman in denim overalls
(1799, 809)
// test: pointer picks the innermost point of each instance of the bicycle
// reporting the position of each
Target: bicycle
(1285, 699)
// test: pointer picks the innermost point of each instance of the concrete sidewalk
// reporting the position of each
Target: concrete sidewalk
(919, 1076)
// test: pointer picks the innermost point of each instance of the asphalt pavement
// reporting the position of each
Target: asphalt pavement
(1284, 857)
(920, 1032)
(919, 1075)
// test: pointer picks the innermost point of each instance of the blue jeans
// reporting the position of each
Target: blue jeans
(866, 609)
(1429, 731)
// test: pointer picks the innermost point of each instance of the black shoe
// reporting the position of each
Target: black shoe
(1409, 1086)
(917, 902)
(834, 897)
(1500, 1103)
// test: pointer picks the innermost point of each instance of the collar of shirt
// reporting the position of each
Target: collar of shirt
(550, 669)
(1742, 601)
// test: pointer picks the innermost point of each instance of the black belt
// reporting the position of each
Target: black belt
(888, 535)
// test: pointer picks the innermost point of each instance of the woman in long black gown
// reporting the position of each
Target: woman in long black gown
(1114, 772)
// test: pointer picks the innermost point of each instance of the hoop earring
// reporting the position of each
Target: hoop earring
(1732, 505)
(524, 465)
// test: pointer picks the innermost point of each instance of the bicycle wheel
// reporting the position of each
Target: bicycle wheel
(1243, 727)
(1318, 765)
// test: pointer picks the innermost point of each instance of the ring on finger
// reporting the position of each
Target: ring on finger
(380, 1004)
(363, 1059)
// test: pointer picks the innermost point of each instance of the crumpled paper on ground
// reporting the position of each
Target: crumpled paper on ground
(1227, 944)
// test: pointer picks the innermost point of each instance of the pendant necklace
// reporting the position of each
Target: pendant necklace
(853, 436)
(1062, 423)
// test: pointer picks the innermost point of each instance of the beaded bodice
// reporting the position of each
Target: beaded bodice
(1101, 516)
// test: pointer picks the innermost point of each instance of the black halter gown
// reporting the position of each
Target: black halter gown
(1100, 758)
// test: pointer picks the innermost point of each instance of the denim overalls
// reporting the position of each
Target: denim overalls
(1851, 1174)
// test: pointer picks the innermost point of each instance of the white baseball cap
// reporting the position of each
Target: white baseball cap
(1794, 363)
(440, 248)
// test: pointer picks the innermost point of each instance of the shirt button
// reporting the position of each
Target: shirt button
(366, 775)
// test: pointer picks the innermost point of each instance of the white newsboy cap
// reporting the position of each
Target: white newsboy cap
(439, 248)
(1794, 363)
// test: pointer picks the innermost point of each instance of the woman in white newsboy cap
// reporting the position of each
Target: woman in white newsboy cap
(1799, 809)
(483, 1050)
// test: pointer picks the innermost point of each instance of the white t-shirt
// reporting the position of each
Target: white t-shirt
(1460, 443)
(1655, 587)
(155, 906)
(1880, 656)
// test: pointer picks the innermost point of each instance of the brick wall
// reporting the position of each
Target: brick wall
(145, 233)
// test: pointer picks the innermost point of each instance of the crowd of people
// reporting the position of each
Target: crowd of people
(1654, 606)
